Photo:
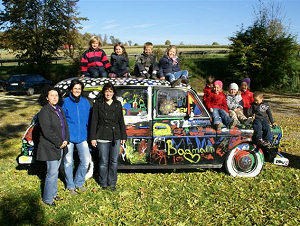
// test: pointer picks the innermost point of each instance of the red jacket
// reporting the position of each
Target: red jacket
(93, 58)
(247, 99)
(217, 101)
(206, 92)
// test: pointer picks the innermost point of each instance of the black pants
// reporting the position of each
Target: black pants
(262, 129)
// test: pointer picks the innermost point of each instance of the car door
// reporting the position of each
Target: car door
(137, 115)
(182, 131)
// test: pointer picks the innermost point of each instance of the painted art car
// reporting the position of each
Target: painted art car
(169, 128)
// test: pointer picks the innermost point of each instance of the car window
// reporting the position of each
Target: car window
(195, 108)
(15, 78)
(171, 102)
(134, 101)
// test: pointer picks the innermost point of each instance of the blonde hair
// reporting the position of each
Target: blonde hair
(94, 39)
(148, 44)
(171, 47)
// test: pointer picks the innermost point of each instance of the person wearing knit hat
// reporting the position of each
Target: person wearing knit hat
(235, 105)
(246, 94)
(217, 106)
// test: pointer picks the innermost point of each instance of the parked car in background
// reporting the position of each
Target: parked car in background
(169, 128)
(2, 85)
(26, 83)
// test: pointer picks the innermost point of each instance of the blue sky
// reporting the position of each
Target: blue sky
(187, 21)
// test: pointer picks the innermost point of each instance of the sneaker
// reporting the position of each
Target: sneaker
(113, 188)
(175, 82)
(185, 81)
(81, 189)
(233, 124)
(50, 204)
(57, 198)
(73, 192)
(262, 143)
(268, 144)
(219, 126)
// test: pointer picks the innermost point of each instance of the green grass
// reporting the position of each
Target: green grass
(199, 197)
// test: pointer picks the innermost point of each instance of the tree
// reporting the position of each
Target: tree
(129, 42)
(265, 52)
(105, 39)
(215, 43)
(72, 37)
(167, 42)
(35, 29)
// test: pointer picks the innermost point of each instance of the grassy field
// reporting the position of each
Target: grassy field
(199, 197)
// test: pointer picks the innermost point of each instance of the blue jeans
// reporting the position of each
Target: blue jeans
(262, 129)
(50, 188)
(84, 160)
(179, 74)
(96, 72)
(108, 163)
(220, 115)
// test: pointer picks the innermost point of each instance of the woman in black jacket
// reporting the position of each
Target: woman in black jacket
(53, 141)
(106, 133)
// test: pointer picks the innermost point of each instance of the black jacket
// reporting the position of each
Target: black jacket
(120, 64)
(51, 134)
(146, 63)
(107, 121)
(262, 110)
(166, 66)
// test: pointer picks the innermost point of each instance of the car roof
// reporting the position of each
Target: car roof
(98, 82)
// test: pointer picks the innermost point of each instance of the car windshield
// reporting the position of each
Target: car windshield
(15, 78)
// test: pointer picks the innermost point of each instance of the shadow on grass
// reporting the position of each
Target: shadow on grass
(294, 160)
(26, 210)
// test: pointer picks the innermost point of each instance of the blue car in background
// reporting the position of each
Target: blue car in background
(26, 83)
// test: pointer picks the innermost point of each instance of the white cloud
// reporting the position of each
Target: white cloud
(109, 26)
(142, 26)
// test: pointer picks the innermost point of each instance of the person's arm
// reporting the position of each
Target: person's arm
(122, 124)
(94, 124)
(105, 61)
(139, 64)
(269, 113)
(84, 64)
(49, 134)
(162, 61)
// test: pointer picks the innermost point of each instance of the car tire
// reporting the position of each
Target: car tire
(30, 91)
(244, 160)
(90, 171)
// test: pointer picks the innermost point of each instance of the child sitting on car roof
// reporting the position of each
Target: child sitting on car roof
(208, 88)
(119, 62)
(217, 106)
(235, 104)
(246, 94)
(94, 62)
(169, 68)
(146, 65)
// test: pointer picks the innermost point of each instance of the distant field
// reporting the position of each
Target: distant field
(7, 54)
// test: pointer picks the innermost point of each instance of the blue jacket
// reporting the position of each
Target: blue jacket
(77, 116)
(166, 66)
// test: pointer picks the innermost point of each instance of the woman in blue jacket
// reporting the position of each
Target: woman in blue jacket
(77, 112)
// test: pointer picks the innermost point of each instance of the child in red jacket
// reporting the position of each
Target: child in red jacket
(217, 105)
(246, 94)
(208, 88)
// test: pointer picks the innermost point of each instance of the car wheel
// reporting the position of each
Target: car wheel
(30, 91)
(244, 160)
(90, 170)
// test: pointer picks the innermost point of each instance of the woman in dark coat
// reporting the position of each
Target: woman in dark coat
(107, 132)
(53, 141)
